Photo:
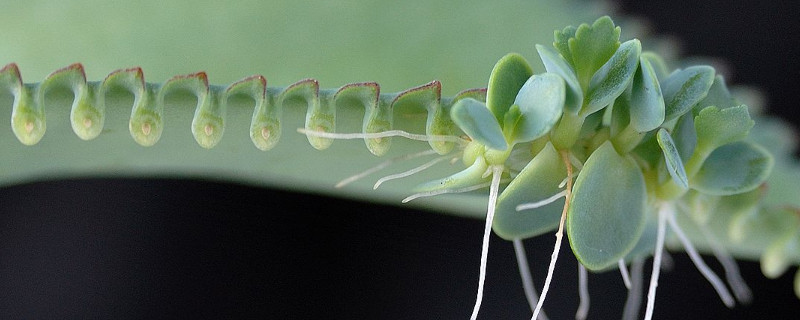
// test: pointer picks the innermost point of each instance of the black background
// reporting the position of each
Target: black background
(138, 249)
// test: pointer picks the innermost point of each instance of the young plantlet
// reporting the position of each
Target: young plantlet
(608, 146)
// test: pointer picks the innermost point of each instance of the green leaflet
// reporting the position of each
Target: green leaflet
(591, 47)
(685, 88)
(507, 77)
(607, 212)
(613, 77)
(672, 158)
(685, 136)
(540, 103)
(538, 181)
(561, 42)
(471, 176)
(478, 123)
(733, 168)
(658, 64)
(555, 63)
(647, 103)
(716, 127)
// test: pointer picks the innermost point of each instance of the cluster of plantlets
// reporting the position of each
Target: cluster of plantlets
(609, 145)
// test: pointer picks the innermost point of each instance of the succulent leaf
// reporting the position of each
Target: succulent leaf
(606, 216)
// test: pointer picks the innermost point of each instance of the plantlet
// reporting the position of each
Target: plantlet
(628, 143)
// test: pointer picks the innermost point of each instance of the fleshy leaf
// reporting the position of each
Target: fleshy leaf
(647, 102)
(685, 136)
(716, 127)
(607, 213)
(561, 42)
(508, 76)
(478, 123)
(683, 89)
(733, 168)
(658, 64)
(555, 63)
(672, 158)
(540, 102)
(592, 46)
(613, 77)
(469, 177)
(538, 181)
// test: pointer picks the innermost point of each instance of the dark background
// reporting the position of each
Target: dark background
(138, 249)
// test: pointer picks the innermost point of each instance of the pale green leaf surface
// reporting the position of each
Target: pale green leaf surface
(538, 181)
(733, 168)
(592, 46)
(508, 76)
(541, 102)
(555, 63)
(477, 121)
(613, 77)
(647, 102)
(672, 158)
(685, 88)
(607, 214)
(716, 127)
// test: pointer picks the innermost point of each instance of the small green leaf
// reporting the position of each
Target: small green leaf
(683, 89)
(469, 177)
(733, 168)
(672, 158)
(508, 76)
(613, 77)
(716, 127)
(647, 102)
(592, 46)
(478, 123)
(555, 63)
(606, 216)
(538, 181)
(540, 102)
(561, 42)
(685, 136)
(658, 64)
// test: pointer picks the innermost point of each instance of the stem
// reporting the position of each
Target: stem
(567, 131)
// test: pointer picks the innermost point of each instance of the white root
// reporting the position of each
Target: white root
(487, 232)
(527, 279)
(712, 278)
(732, 273)
(583, 293)
(384, 134)
(542, 203)
(623, 270)
(383, 165)
(663, 211)
(634, 300)
(409, 172)
(445, 191)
